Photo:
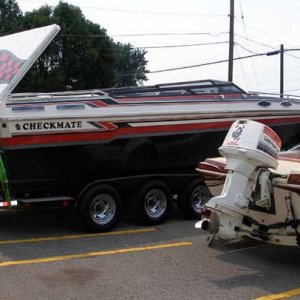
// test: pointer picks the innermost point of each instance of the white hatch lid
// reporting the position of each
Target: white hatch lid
(18, 52)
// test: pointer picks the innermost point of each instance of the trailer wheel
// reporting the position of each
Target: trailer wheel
(100, 208)
(153, 203)
(193, 198)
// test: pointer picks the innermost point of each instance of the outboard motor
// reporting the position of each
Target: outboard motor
(250, 149)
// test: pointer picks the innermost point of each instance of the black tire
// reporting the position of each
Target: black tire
(192, 199)
(153, 203)
(100, 208)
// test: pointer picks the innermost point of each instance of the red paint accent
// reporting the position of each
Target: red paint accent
(294, 179)
(59, 138)
(108, 125)
(293, 159)
(269, 132)
(214, 166)
(100, 136)
(98, 103)
(210, 167)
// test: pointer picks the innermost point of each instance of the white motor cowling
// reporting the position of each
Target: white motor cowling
(247, 146)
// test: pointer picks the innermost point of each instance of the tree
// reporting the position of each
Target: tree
(82, 56)
(10, 17)
(130, 65)
(44, 75)
(73, 60)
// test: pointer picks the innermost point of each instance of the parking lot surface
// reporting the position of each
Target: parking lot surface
(46, 256)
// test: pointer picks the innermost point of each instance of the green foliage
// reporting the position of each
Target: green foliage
(10, 17)
(82, 56)
(130, 65)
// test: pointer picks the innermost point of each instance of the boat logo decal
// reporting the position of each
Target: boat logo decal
(9, 66)
(52, 125)
(236, 134)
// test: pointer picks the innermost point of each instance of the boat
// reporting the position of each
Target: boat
(255, 188)
(94, 149)
(213, 170)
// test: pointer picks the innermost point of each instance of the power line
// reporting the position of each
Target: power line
(194, 66)
(243, 71)
(274, 70)
(147, 47)
(292, 49)
(158, 47)
(241, 62)
(140, 12)
(246, 49)
(144, 34)
(256, 42)
(206, 64)
(294, 90)
(261, 31)
(252, 62)
(273, 81)
(202, 65)
(285, 50)
(183, 45)
(265, 45)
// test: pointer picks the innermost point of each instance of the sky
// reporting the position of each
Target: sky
(260, 26)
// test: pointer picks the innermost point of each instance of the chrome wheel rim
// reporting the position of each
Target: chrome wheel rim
(103, 209)
(155, 203)
(199, 198)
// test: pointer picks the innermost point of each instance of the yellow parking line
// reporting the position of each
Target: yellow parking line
(92, 254)
(76, 236)
(281, 295)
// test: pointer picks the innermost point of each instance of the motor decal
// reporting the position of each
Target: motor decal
(271, 134)
(236, 134)
(263, 147)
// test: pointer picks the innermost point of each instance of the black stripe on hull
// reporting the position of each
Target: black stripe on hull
(67, 169)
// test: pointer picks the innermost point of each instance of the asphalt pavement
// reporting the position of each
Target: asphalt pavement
(45, 255)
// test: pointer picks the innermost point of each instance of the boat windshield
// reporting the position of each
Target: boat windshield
(177, 89)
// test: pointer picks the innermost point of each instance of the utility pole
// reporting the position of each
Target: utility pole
(281, 71)
(231, 41)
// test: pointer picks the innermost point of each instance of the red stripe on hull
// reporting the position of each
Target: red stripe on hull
(59, 138)
(108, 135)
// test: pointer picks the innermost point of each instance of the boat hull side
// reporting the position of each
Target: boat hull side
(67, 168)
